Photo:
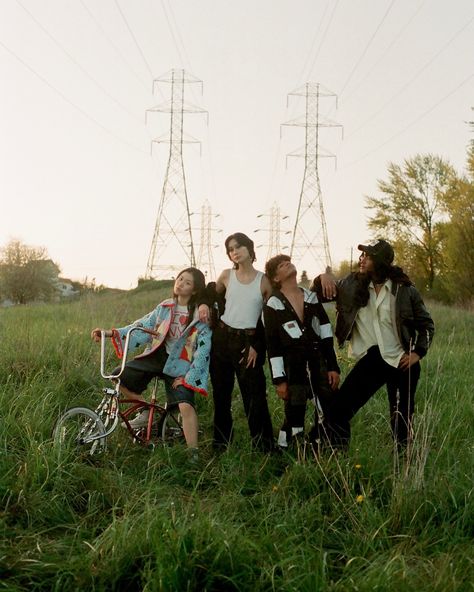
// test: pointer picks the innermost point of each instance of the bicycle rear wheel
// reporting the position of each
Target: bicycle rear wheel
(76, 430)
(171, 426)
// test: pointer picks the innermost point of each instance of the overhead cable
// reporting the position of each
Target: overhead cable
(413, 122)
(369, 43)
(413, 78)
(113, 45)
(137, 45)
(69, 102)
(77, 64)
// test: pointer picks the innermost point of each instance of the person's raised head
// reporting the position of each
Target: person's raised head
(272, 267)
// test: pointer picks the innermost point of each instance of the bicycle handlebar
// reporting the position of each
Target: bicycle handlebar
(125, 350)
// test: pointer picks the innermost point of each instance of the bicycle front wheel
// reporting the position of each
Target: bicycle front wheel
(78, 431)
(171, 427)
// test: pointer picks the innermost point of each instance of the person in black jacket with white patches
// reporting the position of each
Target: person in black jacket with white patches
(300, 349)
(382, 315)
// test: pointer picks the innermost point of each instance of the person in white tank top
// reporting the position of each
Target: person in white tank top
(238, 346)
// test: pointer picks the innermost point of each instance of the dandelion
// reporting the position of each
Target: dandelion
(360, 499)
(358, 466)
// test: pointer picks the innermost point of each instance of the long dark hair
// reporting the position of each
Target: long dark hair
(199, 287)
(243, 241)
(382, 271)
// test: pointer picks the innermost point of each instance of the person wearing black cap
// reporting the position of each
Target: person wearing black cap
(382, 315)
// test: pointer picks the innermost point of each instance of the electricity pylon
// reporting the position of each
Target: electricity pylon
(310, 232)
(172, 247)
(274, 230)
(205, 260)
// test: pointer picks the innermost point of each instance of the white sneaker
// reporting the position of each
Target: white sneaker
(141, 420)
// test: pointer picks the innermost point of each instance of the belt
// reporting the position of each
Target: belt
(222, 325)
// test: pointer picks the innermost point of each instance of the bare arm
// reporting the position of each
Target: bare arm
(266, 288)
(223, 281)
(328, 285)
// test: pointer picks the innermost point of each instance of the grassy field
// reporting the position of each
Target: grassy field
(136, 519)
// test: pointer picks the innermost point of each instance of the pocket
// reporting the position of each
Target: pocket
(293, 329)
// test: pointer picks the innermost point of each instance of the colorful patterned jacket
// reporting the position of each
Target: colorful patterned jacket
(190, 354)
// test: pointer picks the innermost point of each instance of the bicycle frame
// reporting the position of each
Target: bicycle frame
(109, 407)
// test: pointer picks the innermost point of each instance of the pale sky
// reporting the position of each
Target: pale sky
(77, 176)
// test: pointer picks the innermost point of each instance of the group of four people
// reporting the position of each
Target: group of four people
(379, 312)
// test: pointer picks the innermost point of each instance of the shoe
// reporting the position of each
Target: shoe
(140, 421)
(193, 456)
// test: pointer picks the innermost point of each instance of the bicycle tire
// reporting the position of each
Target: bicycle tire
(171, 427)
(73, 430)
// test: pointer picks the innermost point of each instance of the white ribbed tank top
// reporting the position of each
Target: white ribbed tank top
(243, 302)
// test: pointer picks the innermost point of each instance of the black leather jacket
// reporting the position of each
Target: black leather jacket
(414, 325)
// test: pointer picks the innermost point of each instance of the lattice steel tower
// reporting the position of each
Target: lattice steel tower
(205, 260)
(274, 231)
(309, 232)
(172, 247)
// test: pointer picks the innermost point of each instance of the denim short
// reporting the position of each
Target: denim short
(138, 373)
(178, 395)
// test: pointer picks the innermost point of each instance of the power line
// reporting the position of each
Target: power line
(69, 102)
(140, 51)
(184, 57)
(300, 77)
(369, 43)
(413, 78)
(172, 34)
(112, 44)
(384, 53)
(323, 39)
(412, 123)
(77, 64)
(178, 33)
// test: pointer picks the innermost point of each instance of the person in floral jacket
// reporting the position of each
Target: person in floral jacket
(178, 352)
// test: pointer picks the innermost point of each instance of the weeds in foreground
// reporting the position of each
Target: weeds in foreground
(135, 519)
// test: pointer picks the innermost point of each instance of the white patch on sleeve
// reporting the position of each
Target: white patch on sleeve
(275, 303)
(293, 329)
(278, 369)
(326, 331)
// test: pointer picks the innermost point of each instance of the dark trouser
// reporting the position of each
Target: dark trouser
(227, 351)
(295, 407)
(368, 375)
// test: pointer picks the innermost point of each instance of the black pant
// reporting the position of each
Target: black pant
(228, 348)
(368, 375)
(315, 385)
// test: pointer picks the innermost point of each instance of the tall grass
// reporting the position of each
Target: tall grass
(137, 519)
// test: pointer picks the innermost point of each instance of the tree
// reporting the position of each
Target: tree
(304, 279)
(27, 273)
(345, 268)
(412, 210)
(458, 248)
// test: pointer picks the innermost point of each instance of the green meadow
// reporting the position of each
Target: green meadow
(147, 520)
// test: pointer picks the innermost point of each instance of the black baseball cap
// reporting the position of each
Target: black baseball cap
(379, 250)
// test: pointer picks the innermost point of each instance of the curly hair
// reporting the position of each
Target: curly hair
(271, 267)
